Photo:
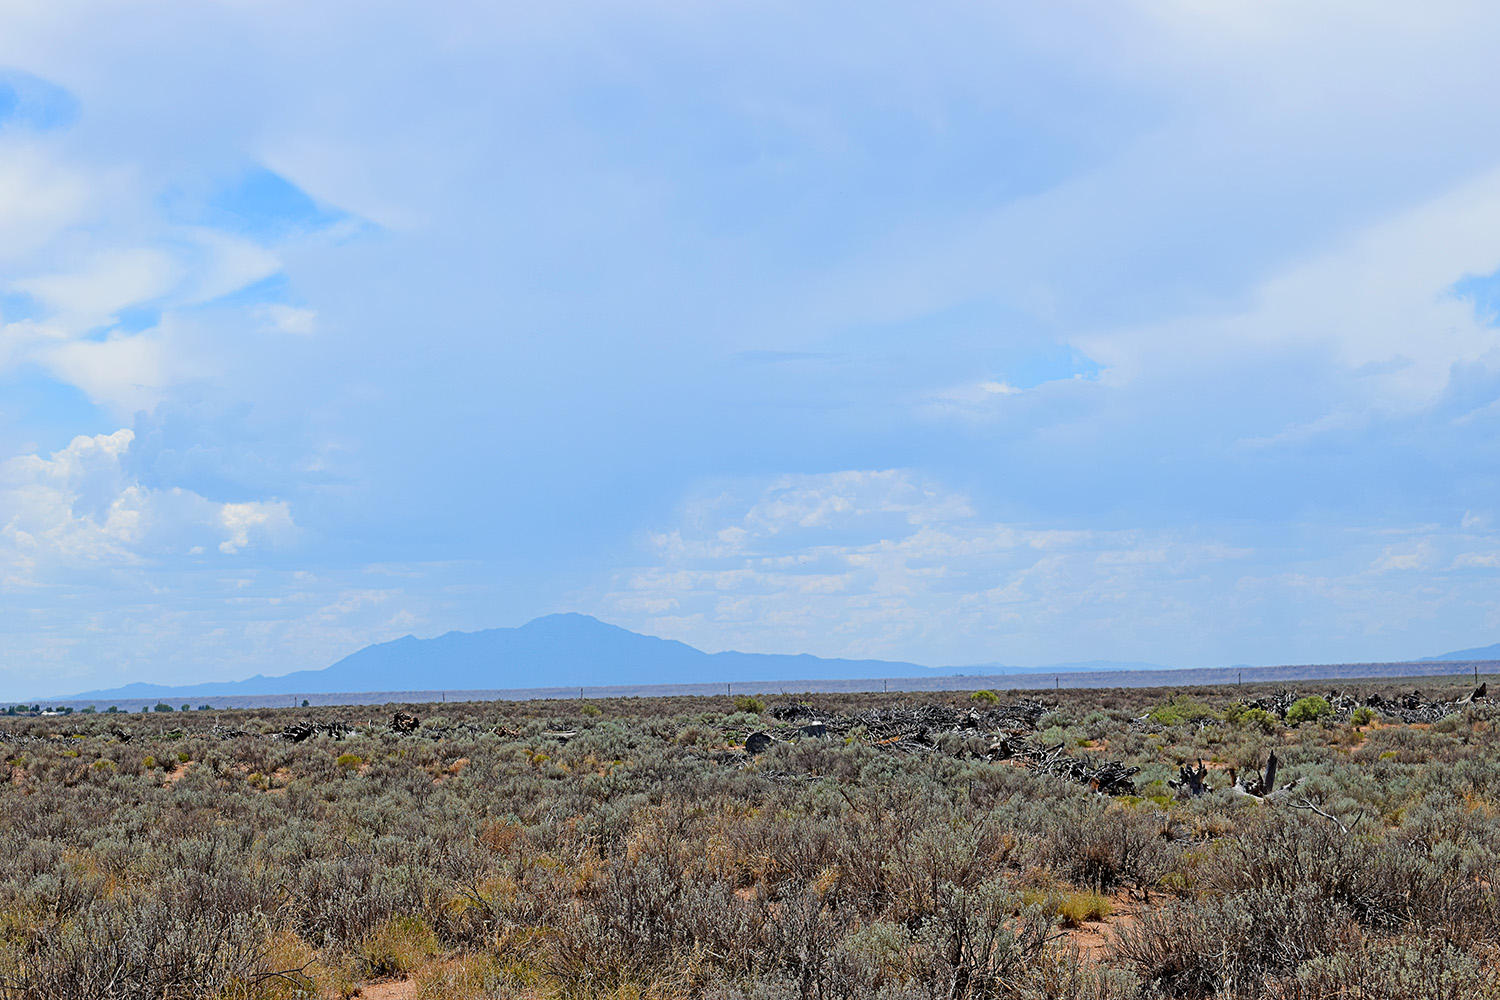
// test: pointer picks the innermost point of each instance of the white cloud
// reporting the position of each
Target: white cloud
(261, 518)
(39, 196)
(79, 509)
(223, 264)
(1397, 558)
(888, 563)
(893, 564)
(125, 371)
(289, 319)
(1378, 302)
(89, 294)
(999, 388)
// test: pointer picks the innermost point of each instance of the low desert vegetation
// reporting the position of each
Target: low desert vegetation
(1100, 844)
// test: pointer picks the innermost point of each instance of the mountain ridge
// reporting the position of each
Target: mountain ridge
(1480, 653)
(559, 650)
(576, 650)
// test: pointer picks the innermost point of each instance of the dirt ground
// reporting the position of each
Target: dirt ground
(1094, 938)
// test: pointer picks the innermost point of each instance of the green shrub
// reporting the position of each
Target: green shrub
(748, 703)
(1259, 718)
(1181, 708)
(350, 761)
(1307, 709)
(1362, 716)
(592, 711)
(985, 698)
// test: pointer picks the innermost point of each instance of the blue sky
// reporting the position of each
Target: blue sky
(952, 333)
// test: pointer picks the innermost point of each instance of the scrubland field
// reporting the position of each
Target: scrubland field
(936, 845)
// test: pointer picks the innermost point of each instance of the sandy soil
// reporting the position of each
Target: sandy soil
(1095, 938)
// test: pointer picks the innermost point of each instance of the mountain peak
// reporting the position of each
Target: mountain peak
(569, 618)
(566, 649)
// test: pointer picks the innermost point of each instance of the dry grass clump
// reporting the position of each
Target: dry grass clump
(1071, 907)
(398, 947)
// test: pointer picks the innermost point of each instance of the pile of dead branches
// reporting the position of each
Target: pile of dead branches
(1408, 708)
(917, 728)
(1110, 777)
(914, 728)
(300, 732)
(1413, 708)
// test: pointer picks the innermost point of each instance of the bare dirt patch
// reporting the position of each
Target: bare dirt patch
(396, 989)
(1095, 939)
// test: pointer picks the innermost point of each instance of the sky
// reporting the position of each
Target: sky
(954, 333)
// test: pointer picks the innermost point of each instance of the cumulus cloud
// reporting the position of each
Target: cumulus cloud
(242, 521)
(891, 563)
(80, 509)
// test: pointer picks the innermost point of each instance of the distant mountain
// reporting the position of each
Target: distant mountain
(567, 650)
(1073, 666)
(1478, 653)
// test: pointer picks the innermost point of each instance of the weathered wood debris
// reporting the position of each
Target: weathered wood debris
(1110, 777)
(1190, 780)
(1413, 708)
(302, 731)
(920, 728)
(1259, 785)
(1408, 708)
(1023, 714)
